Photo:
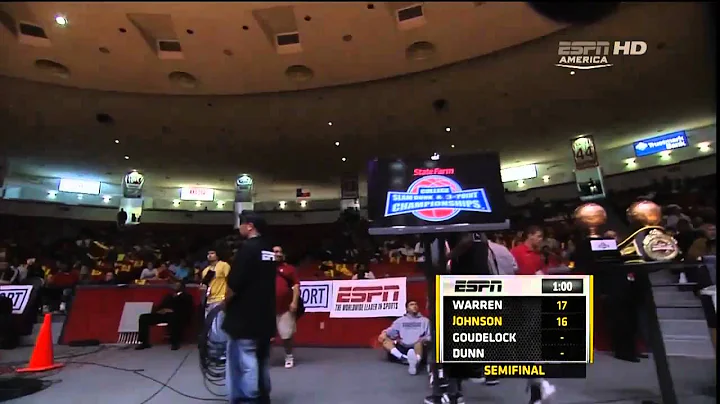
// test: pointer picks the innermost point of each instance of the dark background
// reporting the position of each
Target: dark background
(480, 170)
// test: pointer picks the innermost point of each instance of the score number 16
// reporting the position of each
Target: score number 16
(562, 321)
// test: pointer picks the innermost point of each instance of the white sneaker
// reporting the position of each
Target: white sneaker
(413, 360)
(546, 389)
(289, 361)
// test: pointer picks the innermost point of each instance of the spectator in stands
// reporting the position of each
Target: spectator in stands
(122, 217)
(287, 298)
(406, 339)
(214, 279)
(163, 271)
(685, 236)
(704, 245)
(150, 272)
(175, 310)
(110, 278)
(181, 270)
(362, 272)
(500, 259)
(529, 259)
(8, 274)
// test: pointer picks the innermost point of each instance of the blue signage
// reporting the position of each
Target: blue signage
(657, 144)
(436, 198)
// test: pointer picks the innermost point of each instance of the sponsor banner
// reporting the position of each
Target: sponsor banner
(132, 185)
(349, 188)
(584, 152)
(243, 188)
(657, 144)
(316, 296)
(19, 294)
(79, 186)
(197, 194)
(369, 298)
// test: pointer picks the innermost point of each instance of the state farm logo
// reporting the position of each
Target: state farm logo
(366, 294)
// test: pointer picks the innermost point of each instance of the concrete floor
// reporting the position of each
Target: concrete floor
(345, 376)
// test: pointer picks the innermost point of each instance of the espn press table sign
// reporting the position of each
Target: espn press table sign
(516, 326)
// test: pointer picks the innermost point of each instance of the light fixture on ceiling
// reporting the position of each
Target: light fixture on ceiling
(572, 73)
(520, 183)
(127, 157)
(176, 203)
(282, 204)
(447, 129)
(303, 204)
(435, 157)
(106, 199)
(337, 144)
(117, 141)
(61, 20)
(704, 147)
(343, 159)
(452, 146)
(665, 155)
(631, 162)
(546, 178)
(79, 196)
(220, 204)
(198, 204)
(52, 194)
(329, 123)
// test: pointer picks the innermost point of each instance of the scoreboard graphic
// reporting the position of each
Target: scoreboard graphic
(516, 326)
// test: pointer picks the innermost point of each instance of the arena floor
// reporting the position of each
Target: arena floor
(345, 376)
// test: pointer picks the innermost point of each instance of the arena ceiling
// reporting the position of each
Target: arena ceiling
(222, 96)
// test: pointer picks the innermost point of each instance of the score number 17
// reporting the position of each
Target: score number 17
(562, 321)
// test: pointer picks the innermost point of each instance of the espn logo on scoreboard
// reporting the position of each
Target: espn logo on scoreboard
(478, 286)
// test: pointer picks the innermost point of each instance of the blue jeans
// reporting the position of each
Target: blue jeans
(217, 338)
(247, 371)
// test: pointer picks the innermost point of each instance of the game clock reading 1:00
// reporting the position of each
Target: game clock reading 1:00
(562, 286)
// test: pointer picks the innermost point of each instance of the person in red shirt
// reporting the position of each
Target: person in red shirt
(529, 259)
(287, 297)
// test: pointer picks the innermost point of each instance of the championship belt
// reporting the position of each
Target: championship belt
(648, 244)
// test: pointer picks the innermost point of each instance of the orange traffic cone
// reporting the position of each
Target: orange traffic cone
(42, 358)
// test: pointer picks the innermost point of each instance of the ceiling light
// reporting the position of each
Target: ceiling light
(665, 155)
(282, 204)
(303, 204)
(220, 204)
(343, 159)
(435, 156)
(61, 20)
(52, 194)
(631, 162)
(117, 141)
(337, 143)
(704, 147)
(521, 183)
(176, 202)
(80, 196)
(572, 73)
(106, 199)
(329, 123)
(447, 129)
(198, 204)
(546, 178)
(452, 146)
(127, 157)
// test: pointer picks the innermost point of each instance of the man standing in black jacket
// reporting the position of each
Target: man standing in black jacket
(250, 314)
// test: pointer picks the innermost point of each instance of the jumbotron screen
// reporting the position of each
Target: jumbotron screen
(450, 194)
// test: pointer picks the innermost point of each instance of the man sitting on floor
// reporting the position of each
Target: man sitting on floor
(175, 310)
(406, 338)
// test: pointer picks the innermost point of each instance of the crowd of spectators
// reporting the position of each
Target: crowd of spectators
(343, 250)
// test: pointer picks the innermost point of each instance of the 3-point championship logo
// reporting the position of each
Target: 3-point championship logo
(436, 198)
